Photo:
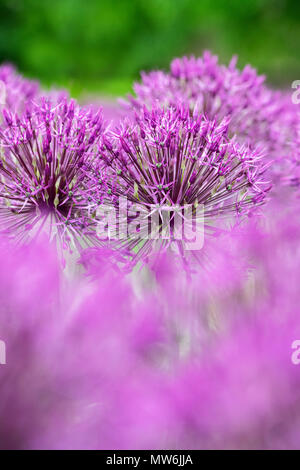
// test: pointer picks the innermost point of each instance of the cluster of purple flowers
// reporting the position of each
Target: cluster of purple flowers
(129, 343)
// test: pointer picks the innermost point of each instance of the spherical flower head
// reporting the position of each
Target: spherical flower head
(168, 160)
(44, 152)
(257, 114)
(216, 90)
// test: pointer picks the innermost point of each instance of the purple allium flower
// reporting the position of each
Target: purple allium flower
(216, 90)
(169, 158)
(257, 114)
(42, 179)
(17, 93)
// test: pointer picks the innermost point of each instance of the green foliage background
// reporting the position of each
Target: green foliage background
(101, 45)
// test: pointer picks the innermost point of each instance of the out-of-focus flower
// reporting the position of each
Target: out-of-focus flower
(112, 110)
(244, 393)
(217, 90)
(42, 179)
(257, 114)
(17, 92)
(201, 364)
(240, 389)
(82, 361)
(167, 159)
(291, 177)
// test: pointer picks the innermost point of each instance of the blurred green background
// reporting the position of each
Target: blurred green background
(99, 46)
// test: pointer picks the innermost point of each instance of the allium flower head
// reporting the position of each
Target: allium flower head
(217, 90)
(257, 113)
(43, 153)
(170, 158)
